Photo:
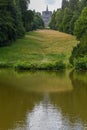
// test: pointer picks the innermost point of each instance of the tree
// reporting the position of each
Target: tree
(73, 20)
(58, 19)
(29, 20)
(66, 20)
(37, 21)
(15, 18)
(23, 4)
(64, 4)
(83, 3)
(74, 4)
(10, 22)
(80, 51)
(81, 24)
(52, 23)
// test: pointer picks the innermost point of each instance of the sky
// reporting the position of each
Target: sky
(40, 5)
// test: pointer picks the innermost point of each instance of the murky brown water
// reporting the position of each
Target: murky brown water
(43, 100)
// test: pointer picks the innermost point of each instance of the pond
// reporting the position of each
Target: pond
(43, 100)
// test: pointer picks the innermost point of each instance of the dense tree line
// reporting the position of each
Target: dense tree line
(79, 53)
(16, 19)
(64, 19)
(72, 19)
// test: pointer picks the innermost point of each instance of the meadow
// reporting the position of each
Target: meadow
(41, 49)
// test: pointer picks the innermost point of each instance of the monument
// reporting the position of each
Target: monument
(46, 15)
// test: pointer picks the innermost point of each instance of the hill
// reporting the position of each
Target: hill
(38, 47)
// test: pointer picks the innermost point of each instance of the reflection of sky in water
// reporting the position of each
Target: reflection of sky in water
(46, 117)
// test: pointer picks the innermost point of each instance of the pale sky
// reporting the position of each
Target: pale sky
(40, 5)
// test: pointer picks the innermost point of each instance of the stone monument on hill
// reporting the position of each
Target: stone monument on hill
(46, 15)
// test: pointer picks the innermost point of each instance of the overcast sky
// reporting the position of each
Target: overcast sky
(40, 5)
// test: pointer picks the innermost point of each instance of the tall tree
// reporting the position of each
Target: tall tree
(81, 24)
(24, 7)
(37, 22)
(10, 22)
(53, 21)
(64, 4)
(58, 19)
(73, 4)
(83, 3)
(80, 51)
(66, 20)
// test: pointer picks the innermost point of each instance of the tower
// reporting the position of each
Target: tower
(47, 8)
(46, 15)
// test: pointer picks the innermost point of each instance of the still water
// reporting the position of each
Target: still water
(43, 100)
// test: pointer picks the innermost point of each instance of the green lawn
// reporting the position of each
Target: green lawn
(38, 47)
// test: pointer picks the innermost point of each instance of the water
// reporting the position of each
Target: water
(43, 100)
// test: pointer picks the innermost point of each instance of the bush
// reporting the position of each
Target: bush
(43, 66)
(80, 50)
(5, 65)
(81, 63)
(25, 66)
(60, 65)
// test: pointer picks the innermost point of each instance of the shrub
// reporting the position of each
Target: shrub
(5, 65)
(80, 50)
(43, 66)
(60, 65)
(81, 63)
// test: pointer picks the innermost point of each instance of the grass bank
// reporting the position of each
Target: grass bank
(42, 49)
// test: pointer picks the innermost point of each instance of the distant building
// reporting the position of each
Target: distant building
(46, 15)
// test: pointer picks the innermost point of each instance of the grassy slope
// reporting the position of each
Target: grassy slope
(40, 46)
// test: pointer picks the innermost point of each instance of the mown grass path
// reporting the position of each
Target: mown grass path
(40, 46)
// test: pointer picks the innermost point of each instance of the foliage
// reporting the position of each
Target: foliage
(11, 26)
(74, 5)
(15, 19)
(37, 22)
(23, 5)
(53, 21)
(65, 4)
(6, 28)
(80, 50)
(81, 63)
(83, 4)
(79, 53)
(72, 19)
(64, 19)
(81, 24)
(28, 20)
(43, 66)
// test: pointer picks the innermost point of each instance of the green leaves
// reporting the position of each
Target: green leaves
(81, 24)
(11, 26)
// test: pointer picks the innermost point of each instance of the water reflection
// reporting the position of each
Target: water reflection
(43, 101)
(36, 81)
(14, 106)
(44, 116)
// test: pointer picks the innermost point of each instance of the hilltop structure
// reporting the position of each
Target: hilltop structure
(46, 15)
